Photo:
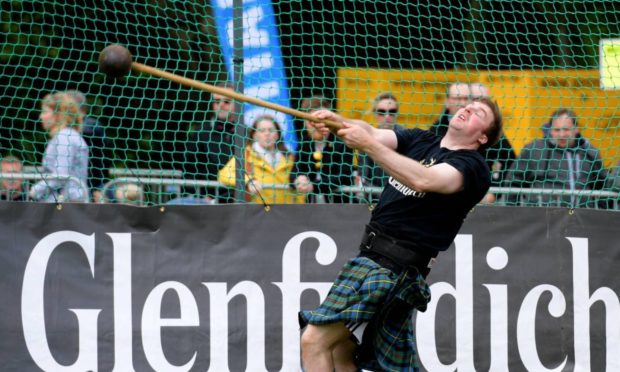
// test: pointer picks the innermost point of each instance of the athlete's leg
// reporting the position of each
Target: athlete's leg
(318, 343)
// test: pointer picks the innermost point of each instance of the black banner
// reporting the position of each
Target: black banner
(217, 288)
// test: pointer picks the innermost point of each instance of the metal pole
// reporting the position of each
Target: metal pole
(240, 131)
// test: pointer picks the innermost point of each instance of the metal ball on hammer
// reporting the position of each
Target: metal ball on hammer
(115, 61)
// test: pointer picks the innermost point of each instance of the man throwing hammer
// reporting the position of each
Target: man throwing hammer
(366, 319)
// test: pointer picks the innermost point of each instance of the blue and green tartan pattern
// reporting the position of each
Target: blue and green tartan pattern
(364, 289)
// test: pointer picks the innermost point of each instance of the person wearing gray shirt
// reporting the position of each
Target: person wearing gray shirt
(66, 154)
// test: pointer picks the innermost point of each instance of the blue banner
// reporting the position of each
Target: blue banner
(263, 69)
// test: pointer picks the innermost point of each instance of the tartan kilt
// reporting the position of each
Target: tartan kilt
(364, 291)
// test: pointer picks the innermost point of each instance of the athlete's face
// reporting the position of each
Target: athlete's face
(472, 121)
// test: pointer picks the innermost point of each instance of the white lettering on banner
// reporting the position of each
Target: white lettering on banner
(123, 327)
(152, 323)
(526, 325)
(257, 63)
(33, 316)
(253, 37)
(219, 300)
(583, 302)
(464, 296)
(292, 288)
(526, 328)
(497, 259)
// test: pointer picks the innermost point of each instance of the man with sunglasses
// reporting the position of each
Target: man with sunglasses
(385, 110)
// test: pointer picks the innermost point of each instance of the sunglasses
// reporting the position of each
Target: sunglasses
(384, 112)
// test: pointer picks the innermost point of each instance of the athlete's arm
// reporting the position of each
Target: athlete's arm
(380, 145)
(442, 178)
(384, 136)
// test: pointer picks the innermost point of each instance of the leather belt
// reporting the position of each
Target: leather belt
(400, 255)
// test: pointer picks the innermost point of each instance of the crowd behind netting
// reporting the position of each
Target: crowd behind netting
(562, 168)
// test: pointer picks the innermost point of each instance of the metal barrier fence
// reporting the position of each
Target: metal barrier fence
(171, 186)
(29, 176)
(372, 194)
(160, 184)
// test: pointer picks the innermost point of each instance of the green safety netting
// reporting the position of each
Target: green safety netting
(152, 141)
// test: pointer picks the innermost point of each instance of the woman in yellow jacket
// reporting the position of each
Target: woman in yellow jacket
(267, 162)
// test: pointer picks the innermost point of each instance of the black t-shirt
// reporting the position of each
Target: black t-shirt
(430, 220)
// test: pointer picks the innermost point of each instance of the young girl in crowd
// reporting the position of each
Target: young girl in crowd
(267, 162)
(66, 153)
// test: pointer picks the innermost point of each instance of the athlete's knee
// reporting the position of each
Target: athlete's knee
(323, 337)
(311, 339)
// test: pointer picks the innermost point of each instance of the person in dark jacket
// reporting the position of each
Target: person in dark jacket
(563, 161)
(211, 145)
(322, 163)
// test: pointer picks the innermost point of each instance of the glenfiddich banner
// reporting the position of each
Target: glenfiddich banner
(217, 288)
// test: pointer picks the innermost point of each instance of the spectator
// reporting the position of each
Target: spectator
(66, 153)
(322, 163)
(546, 130)
(12, 189)
(211, 146)
(385, 109)
(457, 96)
(267, 161)
(563, 161)
(99, 146)
(500, 156)
(129, 193)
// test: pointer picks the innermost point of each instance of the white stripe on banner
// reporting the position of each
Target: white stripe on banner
(263, 70)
